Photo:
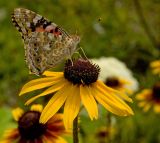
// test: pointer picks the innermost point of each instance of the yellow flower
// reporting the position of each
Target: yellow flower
(77, 84)
(29, 129)
(118, 84)
(155, 65)
(149, 98)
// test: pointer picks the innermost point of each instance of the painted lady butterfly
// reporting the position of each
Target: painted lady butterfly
(46, 44)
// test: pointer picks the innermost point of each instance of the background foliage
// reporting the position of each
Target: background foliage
(107, 28)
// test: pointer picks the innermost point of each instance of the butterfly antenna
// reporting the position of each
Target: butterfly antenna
(83, 52)
(78, 54)
(71, 60)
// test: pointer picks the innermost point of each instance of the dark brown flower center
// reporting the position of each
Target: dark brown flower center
(81, 71)
(156, 92)
(29, 126)
(112, 82)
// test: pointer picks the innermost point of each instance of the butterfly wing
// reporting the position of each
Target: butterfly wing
(44, 51)
(46, 44)
(27, 21)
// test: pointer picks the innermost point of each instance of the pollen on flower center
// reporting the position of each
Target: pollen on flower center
(81, 71)
(156, 92)
(29, 126)
(112, 82)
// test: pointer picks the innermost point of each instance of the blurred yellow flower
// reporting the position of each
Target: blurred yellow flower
(118, 84)
(29, 129)
(155, 65)
(77, 84)
(149, 98)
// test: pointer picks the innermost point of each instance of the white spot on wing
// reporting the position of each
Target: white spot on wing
(28, 24)
(35, 20)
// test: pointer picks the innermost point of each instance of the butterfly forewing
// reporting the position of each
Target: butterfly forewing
(26, 21)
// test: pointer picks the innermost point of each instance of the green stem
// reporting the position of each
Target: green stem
(108, 128)
(75, 130)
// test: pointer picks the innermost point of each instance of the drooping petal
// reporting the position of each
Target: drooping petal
(89, 101)
(55, 103)
(111, 90)
(112, 96)
(38, 84)
(17, 113)
(72, 106)
(37, 107)
(52, 89)
(109, 105)
(110, 102)
(50, 73)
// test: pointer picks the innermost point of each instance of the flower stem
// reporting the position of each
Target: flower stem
(108, 129)
(75, 130)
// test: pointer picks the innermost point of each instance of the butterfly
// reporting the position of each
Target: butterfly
(45, 43)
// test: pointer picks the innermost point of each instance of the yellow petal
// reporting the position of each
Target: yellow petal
(38, 84)
(89, 101)
(156, 70)
(56, 118)
(5, 141)
(108, 104)
(123, 82)
(53, 139)
(146, 107)
(49, 73)
(142, 103)
(10, 136)
(55, 103)
(145, 94)
(72, 106)
(17, 113)
(124, 96)
(100, 86)
(46, 139)
(60, 140)
(111, 102)
(157, 107)
(155, 63)
(37, 107)
(110, 90)
(52, 89)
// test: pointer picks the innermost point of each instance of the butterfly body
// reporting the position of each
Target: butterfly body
(46, 45)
